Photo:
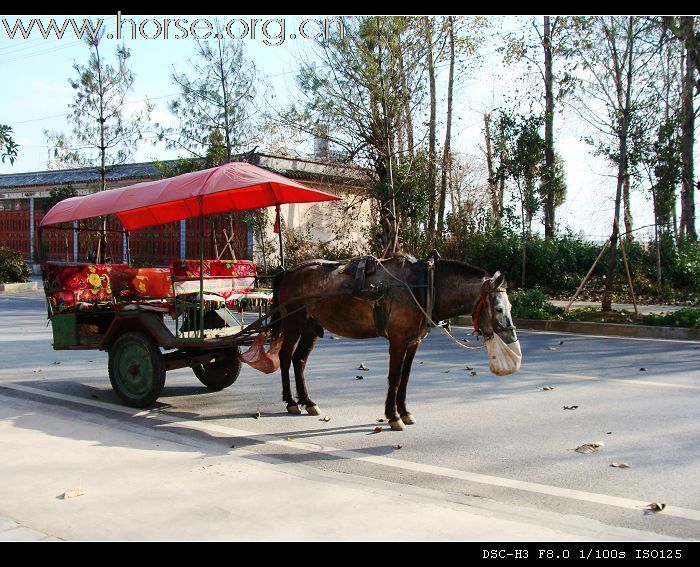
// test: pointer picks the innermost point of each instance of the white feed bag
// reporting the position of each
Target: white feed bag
(503, 359)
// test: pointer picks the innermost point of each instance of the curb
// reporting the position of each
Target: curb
(615, 329)
(18, 287)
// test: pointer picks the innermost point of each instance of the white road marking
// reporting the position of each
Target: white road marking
(525, 486)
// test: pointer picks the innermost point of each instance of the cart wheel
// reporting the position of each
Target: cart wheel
(221, 373)
(136, 369)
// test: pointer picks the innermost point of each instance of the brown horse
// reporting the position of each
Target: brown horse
(391, 299)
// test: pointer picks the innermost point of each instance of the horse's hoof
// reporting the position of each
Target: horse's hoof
(397, 425)
(408, 419)
(293, 408)
(313, 410)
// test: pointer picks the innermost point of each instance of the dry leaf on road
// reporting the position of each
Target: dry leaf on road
(655, 506)
(570, 407)
(620, 465)
(547, 388)
(363, 366)
(589, 448)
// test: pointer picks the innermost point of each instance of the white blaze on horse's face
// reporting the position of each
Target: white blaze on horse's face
(500, 306)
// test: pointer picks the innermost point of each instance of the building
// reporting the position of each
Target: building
(24, 198)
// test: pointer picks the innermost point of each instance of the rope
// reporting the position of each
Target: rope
(427, 317)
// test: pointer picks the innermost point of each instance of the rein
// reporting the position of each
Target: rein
(428, 317)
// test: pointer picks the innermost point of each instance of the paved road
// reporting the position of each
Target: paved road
(503, 446)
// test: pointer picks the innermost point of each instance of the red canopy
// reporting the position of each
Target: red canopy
(235, 186)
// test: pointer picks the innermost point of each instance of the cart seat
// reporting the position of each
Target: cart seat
(232, 280)
(78, 286)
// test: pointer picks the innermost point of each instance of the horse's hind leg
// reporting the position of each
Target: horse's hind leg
(306, 344)
(406, 416)
(290, 335)
(397, 354)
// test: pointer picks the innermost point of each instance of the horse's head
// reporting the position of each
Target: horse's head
(492, 318)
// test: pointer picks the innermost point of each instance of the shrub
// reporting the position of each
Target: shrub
(688, 317)
(13, 268)
(532, 304)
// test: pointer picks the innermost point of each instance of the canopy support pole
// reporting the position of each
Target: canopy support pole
(278, 223)
(201, 267)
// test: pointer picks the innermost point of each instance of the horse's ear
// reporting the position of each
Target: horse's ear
(498, 280)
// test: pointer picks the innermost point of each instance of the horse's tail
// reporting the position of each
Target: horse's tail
(276, 323)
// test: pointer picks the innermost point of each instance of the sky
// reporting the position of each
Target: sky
(36, 93)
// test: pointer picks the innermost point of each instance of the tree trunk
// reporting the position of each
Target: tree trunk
(492, 182)
(688, 132)
(446, 158)
(549, 219)
(406, 101)
(431, 129)
(627, 208)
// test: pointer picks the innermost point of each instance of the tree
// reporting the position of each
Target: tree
(218, 98)
(102, 132)
(358, 87)
(548, 45)
(522, 159)
(613, 99)
(683, 27)
(8, 147)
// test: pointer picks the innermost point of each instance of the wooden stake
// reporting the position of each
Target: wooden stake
(629, 278)
(588, 275)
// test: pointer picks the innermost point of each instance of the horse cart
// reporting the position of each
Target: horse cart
(151, 320)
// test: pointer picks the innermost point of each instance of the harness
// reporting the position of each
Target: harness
(479, 307)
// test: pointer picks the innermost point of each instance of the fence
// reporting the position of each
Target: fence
(155, 246)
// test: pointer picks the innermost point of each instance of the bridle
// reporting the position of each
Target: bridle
(479, 307)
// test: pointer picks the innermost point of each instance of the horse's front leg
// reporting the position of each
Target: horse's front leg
(397, 354)
(406, 415)
(301, 355)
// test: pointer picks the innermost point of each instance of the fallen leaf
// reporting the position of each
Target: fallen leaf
(587, 448)
(421, 362)
(547, 388)
(473, 373)
(570, 407)
(257, 415)
(377, 429)
(620, 465)
(399, 446)
(57, 362)
(333, 338)
(290, 438)
(37, 370)
(233, 446)
(551, 348)
(468, 368)
(363, 366)
(656, 506)
(326, 418)
(561, 342)
(73, 493)
(609, 433)
(380, 420)
(358, 377)
(642, 369)
(445, 371)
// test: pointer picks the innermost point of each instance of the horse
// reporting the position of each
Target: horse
(396, 298)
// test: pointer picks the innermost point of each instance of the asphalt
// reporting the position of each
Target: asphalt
(67, 478)
(72, 475)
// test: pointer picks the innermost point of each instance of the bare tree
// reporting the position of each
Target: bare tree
(614, 84)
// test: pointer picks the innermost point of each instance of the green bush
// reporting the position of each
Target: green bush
(688, 317)
(13, 268)
(532, 304)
